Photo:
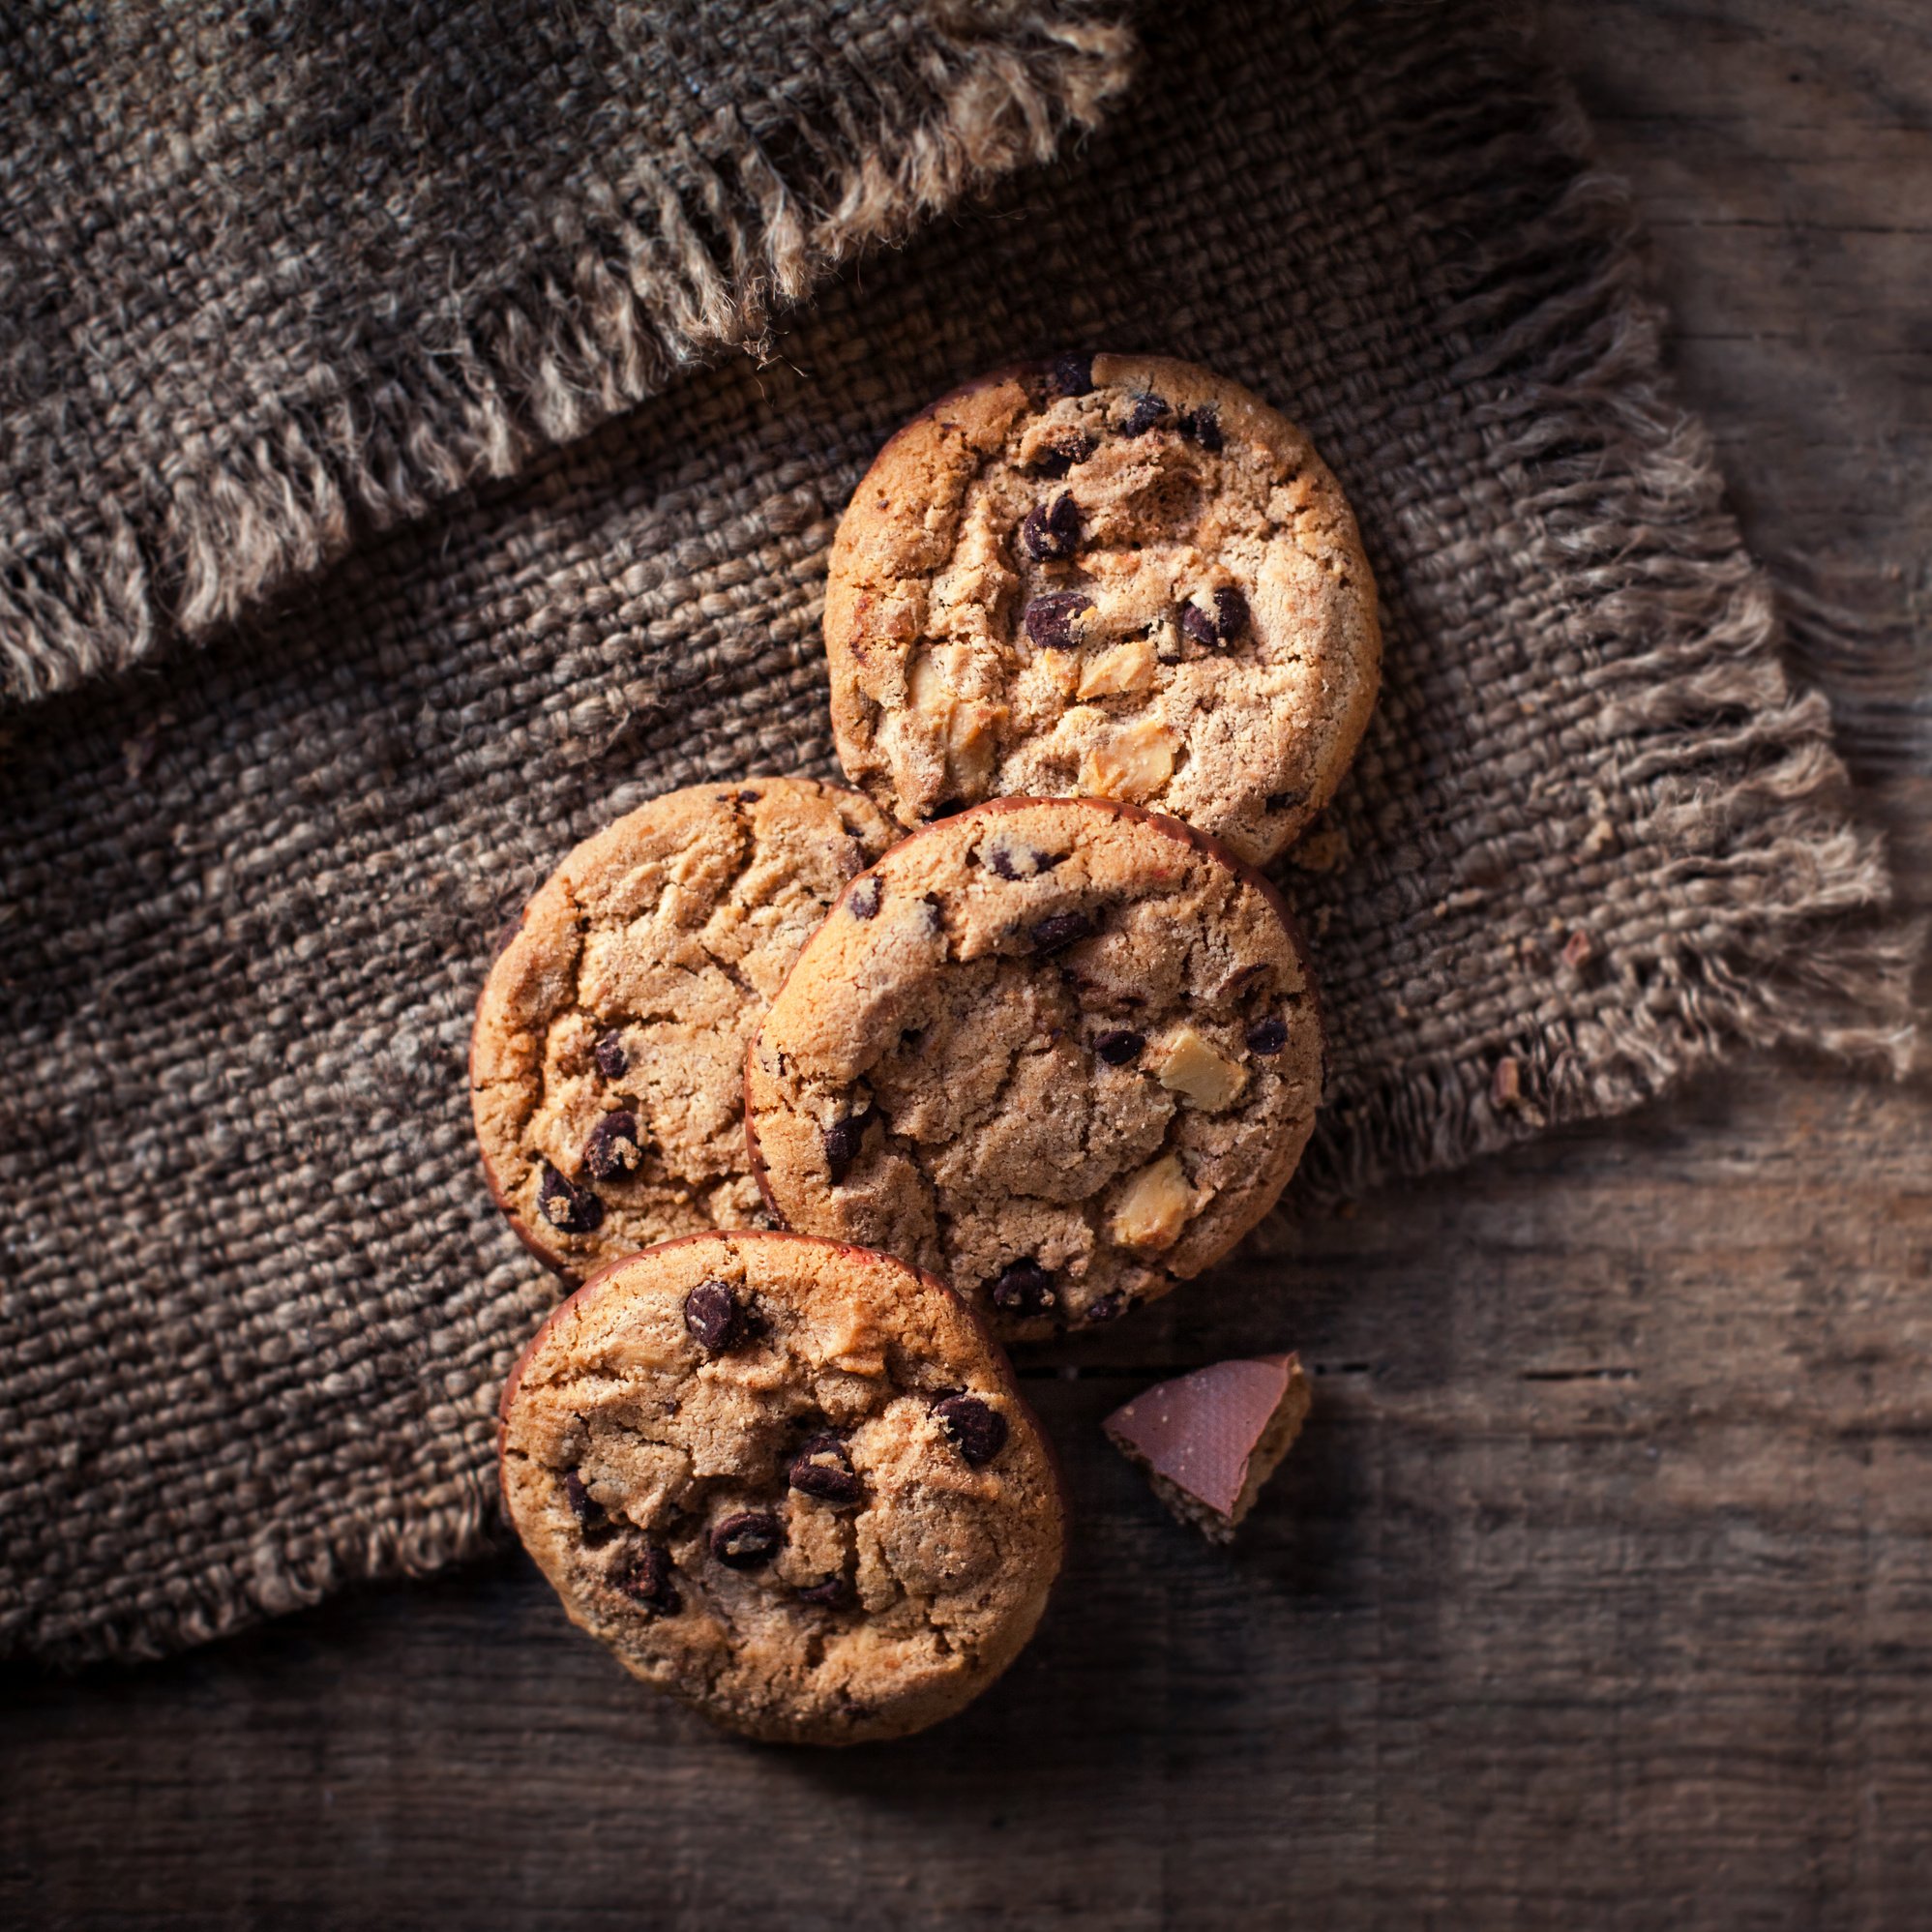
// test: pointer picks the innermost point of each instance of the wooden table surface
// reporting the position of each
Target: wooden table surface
(1599, 1591)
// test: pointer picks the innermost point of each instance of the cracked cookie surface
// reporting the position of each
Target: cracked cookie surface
(606, 1059)
(1120, 576)
(790, 1481)
(1060, 1053)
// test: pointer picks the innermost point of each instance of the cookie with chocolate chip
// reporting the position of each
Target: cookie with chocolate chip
(1119, 576)
(790, 1481)
(606, 1060)
(1061, 1052)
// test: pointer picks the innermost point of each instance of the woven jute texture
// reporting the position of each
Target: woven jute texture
(258, 1304)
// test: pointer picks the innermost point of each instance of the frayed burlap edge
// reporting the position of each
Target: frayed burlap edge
(1818, 958)
(585, 333)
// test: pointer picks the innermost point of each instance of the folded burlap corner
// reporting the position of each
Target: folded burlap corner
(258, 1304)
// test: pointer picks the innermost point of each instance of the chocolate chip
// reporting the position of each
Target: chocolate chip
(823, 1467)
(1056, 457)
(571, 1209)
(1267, 1036)
(1146, 411)
(712, 1315)
(614, 1149)
(748, 798)
(835, 1592)
(1050, 619)
(844, 1140)
(1060, 930)
(1118, 1045)
(1071, 375)
(865, 898)
(748, 1540)
(585, 1507)
(975, 1428)
(1021, 861)
(613, 1062)
(1108, 1308)
(1051, 530)
(1230, 614)
(650, 1578)
(1203, 426)
(1198, 627)
(1023, 1288)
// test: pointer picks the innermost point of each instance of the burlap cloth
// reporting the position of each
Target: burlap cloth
(296, 281)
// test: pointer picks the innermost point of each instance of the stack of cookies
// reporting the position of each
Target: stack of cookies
(819, 1120)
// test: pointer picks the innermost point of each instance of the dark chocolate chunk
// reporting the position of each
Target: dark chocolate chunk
(712, 1315)
(1060, 930)
(1198, 627)
(865, 898)
(585, 1507)
(748, 1540)
(614, 1149)
(975, 1428)
(650, 1578)
(1267, 1036)
(1203, 426)
(1146, 411)
(1056, 457)
(824, 1467)
(835, 1592)
(1071, 375)
(1230, 614)
(568, 1208)
(612, 1063)
(1108, 1308)
(1118, 1045)
(843, 1140)
(1213, 1436)
(1051, 530)
(1023, 1288)
(1050, 619)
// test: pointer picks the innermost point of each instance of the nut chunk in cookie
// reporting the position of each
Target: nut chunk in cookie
(607, 1065)
(791, 1483)
(1120, 576)
(1063, 1052)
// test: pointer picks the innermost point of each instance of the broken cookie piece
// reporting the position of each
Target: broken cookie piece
(1209, 1441)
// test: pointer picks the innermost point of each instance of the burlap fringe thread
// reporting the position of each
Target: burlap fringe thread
(1773, 979)
(592, 331)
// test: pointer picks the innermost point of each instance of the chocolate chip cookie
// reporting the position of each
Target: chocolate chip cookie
(790, 1481)
(607, 1061)
(1120, 576)
(1061, 1052)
